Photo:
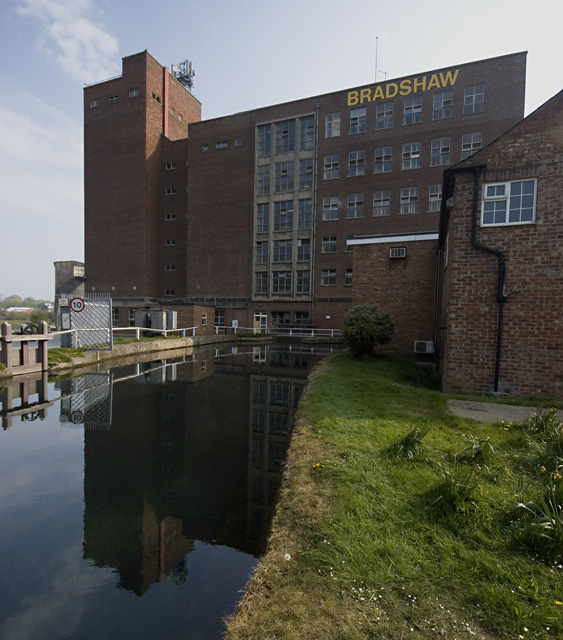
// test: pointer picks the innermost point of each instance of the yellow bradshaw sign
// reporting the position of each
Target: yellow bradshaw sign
(403, 88)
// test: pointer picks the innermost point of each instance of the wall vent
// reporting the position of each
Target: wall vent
(423, 346)
(398, 252)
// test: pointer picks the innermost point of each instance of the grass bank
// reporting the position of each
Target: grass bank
(399, 520)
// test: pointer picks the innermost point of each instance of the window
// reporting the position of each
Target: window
(283, 250)
(131, 317)
(305, 216)
(170, 242)
(283, 215)
(440, 153)
(261, 282)
(169, 267)
(219, 317)
(204, 319)
(509, 202)
(470, 143)
(358, 120)
(263, 217)
(411, 156)
(301, 317)
(355, 205)
(169, 292)
(284, 178)
(170, 166)
(409, 200)
(328, 245)
(278, 318)
(205, 147)
(328, 277)
(303, 250)
(306, 173)
(156, 98)
(384, 116)
(180, 117)
(170, 191)
(285, 136)
(332, 167)
(263, 179)
(434, 197)
(356, 163)
(474, 99)
(381, 203)
(172, 111)
(348, 277)
(330, 208)
(413, 111)
(94, 103)
(114, 317)
(332, 125)
(307, 133)
(303, 284)
(222, 144)
(264, 140)
(383, 159)
(170, 216)
(113, 98)
(281, 282)
(442, 105)
(262, 252)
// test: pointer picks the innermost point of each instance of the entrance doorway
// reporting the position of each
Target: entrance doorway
(261, 322)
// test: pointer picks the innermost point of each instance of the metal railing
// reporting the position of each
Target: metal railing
(297, 332)
(138, 331)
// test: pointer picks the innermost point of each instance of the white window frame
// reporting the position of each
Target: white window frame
(506, 196)
(332, 124)
(330, 208)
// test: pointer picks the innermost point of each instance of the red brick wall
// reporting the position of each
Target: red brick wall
(532, 345)
(404, 287)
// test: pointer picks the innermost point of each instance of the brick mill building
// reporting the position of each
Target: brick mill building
(288, 214)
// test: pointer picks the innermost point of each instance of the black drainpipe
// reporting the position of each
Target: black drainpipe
(501, 280)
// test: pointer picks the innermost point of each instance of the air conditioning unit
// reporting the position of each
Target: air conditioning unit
(423, 346)
(398, 252)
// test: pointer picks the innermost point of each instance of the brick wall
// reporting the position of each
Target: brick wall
(531, 361)
(404, 287)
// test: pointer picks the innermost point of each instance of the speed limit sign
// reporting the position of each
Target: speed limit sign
(77, 305)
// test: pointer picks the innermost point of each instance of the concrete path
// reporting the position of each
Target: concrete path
(491, 412)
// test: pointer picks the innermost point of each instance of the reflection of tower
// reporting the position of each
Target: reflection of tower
(273, 402)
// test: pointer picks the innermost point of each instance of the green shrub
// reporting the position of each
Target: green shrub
(366, 327)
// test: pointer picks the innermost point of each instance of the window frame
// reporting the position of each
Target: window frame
(412, 110)
(471, 102)
(383, 160)
(384, 115)
(440, 152)
(506, 197)
(333, 124)
(355, 206)
(468, 144)
(331, 167)
(385, 209)
(329, 244)
(410, 156)
(358, 118)
(409, 200)
(442, 105)
(330, 206)
(356, 163)
(328, 277)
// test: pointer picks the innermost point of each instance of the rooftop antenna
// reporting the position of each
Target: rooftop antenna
(184, 72)
(376, 62)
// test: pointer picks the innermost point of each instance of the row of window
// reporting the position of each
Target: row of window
(282, 282)
(222, 144)
(442, 107)
(381, 204)
(440, 154)
(283, 219)
(133, 93)
(283, 250)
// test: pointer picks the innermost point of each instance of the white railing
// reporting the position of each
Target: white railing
(297, 332)
(137, 331)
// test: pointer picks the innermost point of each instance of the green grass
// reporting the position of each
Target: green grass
(426, 542)
(60, 354)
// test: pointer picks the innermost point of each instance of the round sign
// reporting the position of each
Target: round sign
(77, 304)
(77, 417)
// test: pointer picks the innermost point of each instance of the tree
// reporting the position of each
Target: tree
(366, 327)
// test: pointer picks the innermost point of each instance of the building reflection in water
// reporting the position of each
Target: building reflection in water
(183, 451)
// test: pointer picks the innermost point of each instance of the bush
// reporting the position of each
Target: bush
(366, 327)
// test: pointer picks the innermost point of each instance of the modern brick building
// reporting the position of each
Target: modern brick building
(283, 215)
(501, 312)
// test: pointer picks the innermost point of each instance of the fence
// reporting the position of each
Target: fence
(294, 332)
(24, 359)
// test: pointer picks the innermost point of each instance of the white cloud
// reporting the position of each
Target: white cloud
(82, 48)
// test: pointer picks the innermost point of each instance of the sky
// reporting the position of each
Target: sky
(247, 54)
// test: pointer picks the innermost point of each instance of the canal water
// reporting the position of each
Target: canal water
(135, 502)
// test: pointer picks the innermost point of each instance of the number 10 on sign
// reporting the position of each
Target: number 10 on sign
(77, 305)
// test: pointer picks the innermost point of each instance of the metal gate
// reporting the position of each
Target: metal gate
(90, 317)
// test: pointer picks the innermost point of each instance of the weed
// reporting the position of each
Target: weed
(478, 450)
(455, 495)
(411, 445)
(544, 419)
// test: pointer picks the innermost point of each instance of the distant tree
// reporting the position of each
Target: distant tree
(367, 327)
(12, 301)
(29, 302)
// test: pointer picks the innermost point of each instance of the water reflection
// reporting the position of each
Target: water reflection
(182, 463)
